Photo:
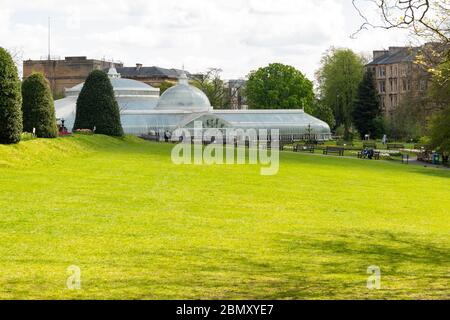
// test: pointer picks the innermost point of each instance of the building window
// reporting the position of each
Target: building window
(403, 70)
(393, 85)
(382, 87)
(382, 71)
(394, 100)
(394, 88)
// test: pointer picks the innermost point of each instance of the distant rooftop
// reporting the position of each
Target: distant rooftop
(149, 72)
(69, 59)
(395, 55)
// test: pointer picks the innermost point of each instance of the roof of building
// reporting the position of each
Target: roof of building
(275, 119)
(183, 96)
(149, 72)
(120, 85)
(181, 105)
(403, 54)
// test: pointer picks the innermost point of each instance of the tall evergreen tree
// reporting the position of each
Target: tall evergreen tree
(38, 107)
(97, 106)
(10, 100)
(367, 111)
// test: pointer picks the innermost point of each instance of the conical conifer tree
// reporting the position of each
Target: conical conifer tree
(38, 107)
(10, 100)
(367, 109)
(97, 106)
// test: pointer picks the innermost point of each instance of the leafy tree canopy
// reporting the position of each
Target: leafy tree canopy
(324, 113)
(279, 86)
(164, 86)
(440, 87)
(439, 129)
(439, 126)
(339, 77)
(212, 85)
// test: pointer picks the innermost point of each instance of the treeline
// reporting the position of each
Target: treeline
(347, 98)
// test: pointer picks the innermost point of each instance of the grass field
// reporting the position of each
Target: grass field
(140, 227)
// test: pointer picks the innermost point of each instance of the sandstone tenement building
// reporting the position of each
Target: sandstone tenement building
(398, 76)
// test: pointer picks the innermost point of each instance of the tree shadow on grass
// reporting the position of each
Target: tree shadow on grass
(335, 266)
(434, 172)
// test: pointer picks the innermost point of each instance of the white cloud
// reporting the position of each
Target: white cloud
(235, 35)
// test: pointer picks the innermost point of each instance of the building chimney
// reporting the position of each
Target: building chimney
(138, 66)
(379, 53)
(393, 50)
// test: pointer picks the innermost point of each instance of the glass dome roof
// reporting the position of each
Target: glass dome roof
(120, 86)
(184, 97)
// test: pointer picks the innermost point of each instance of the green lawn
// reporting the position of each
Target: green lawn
(140, 227)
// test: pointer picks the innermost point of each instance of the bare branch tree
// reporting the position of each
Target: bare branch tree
(212, 85)
(425, 18)
(17, 56)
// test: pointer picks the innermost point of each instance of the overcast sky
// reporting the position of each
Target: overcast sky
(235, 35)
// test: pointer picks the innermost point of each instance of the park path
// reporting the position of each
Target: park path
(412, 161)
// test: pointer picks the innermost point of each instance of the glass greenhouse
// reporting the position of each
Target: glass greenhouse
(143, 111)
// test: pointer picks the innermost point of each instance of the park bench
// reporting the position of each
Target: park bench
(337, 150)
(376, 155)
(283, 144)
(304, 147)
(285, 141)
(395, 146)
(424, 156)
(431, 157)
(369, 145)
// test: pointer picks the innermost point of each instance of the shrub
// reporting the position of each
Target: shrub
(379, 127)
(439, 128)
(38, 107)
(86, 132)
(97, 106)
(340, 131)
(26, 136)
(10, 100)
